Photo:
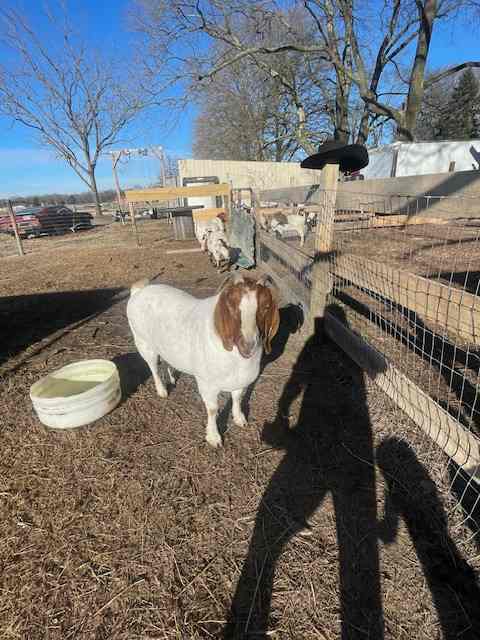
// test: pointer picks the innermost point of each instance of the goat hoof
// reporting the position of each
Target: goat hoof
(240, 420)
(214, 440)
(163, 393)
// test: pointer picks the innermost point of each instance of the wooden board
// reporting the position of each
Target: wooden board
(456, 441)
(170, 193)
(300, 194)
(291, 255)
(175, 251)
(454, 309)
(291, 290)
(207, 214)
(404, 220)
(270, 211)
(380, 222)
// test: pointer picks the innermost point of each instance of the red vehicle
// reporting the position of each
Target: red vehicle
(52, 220)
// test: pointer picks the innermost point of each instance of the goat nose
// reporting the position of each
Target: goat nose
(247, 347)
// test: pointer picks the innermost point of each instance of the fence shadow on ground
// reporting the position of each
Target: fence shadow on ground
(467, 493)
(448, 359)
(412, 496)
(29, 319)
(451, 362)
(328, 451)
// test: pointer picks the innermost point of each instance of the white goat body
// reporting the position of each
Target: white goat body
(182, 331)
(217, 247)
(202, 226)
(297, 222)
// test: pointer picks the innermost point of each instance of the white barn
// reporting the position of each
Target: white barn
(421, 158)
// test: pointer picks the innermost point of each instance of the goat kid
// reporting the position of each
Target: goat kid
(217, 247)
(219, 340)
(203, 226)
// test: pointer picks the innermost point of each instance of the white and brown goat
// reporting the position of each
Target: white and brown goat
(218, 340)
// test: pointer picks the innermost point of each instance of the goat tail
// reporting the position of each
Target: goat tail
(138, 286)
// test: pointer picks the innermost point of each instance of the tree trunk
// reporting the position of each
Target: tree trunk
(342, 94)
(364, 128)
(94, 190)
(428, 13)
(301, 134)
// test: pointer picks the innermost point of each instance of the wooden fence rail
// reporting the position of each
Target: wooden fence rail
(457, 442)
(455, 310)
(445, 308)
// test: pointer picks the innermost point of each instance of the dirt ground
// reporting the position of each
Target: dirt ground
(325, 518)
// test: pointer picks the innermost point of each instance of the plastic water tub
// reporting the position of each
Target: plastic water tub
(76, 394)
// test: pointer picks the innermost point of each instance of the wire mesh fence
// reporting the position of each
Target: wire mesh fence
(407, 284)
(58, 227)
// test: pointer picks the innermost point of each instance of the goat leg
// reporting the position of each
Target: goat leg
(210, 398)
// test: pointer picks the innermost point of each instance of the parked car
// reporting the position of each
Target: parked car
(52, 220)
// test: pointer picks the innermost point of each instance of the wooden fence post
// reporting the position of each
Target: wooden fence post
(323, 251)
(15, 228)
(131, 208)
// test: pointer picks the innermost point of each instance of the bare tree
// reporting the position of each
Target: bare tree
(250, 34)
(386, 73)
(74, 101)
(245, 114)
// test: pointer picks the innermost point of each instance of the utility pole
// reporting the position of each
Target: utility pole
(160, 155)
(116, 155)
(144, 151)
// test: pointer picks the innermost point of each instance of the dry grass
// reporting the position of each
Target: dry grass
(134, 528)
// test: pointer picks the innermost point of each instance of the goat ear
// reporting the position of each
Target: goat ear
(269, 319)
(224, 322)
(267, 281)
(232, 279)
(272, 323)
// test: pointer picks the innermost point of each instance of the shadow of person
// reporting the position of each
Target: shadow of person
(291, 320)
(328, 451)
(412, 496)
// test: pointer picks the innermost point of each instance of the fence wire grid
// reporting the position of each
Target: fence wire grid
(406, 275)
(65, 227)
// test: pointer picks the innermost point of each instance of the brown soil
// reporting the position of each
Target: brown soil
(312, 526)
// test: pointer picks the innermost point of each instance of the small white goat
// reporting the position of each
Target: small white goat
(217, 247)
(311, 219)
(219, 340)
(297, 222)
(202, 226)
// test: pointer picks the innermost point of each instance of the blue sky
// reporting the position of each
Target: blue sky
(26, 169)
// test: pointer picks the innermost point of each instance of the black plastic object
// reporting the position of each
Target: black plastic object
(350, 157)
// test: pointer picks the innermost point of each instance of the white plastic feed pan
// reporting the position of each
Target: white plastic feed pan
(77, 394)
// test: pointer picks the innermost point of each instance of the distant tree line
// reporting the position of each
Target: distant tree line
(86, 197)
